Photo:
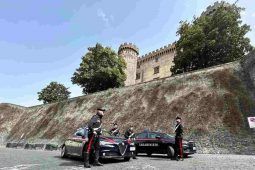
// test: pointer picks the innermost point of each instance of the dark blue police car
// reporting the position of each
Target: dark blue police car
(160, 143)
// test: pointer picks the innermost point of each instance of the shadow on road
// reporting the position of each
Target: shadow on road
(161, 157)
(70, 161)
(76, 161)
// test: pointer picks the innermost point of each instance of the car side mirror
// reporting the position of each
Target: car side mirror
(157, 137)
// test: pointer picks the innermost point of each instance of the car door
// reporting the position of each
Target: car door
(69, 143)
(78, 142)
(154, 142)
(139, 142)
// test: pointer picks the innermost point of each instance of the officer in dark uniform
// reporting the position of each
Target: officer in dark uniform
(94, 131)
(178, 139)
(129, 134)
(115, 130)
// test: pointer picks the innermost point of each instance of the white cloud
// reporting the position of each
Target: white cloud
(104, 17)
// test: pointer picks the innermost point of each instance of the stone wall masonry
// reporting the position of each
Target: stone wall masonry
(146, 69)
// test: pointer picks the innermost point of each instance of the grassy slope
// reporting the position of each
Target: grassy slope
(213, 103)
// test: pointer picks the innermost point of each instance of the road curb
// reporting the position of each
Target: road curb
(33, 146)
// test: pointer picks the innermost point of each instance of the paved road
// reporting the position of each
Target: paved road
(20, 159)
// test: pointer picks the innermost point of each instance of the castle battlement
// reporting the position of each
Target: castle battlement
(153, 65)
(128, 46)
(158, 52)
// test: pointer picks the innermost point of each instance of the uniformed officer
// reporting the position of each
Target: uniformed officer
(115, 130)
(129, 134)
(178, 139)
(94, 131)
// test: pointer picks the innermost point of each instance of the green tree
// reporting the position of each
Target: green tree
(54, 92)
(216, 37)
(101, 68)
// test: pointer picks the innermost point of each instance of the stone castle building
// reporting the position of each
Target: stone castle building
(151, 66)
(155, 64)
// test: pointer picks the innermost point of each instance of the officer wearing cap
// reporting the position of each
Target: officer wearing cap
(115, 130)
(129, 134)
(94, 131)
(178, 139)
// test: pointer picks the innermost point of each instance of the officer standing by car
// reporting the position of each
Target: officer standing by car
(115, 130)
(94, 131)
(129, 134)
(178, 139)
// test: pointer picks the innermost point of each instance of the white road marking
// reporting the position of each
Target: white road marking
(19, 167)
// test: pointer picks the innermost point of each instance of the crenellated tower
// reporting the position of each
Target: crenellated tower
(130, 54)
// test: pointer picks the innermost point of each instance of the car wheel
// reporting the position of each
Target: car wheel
(148, 153)
(126, 158)
(170, 151)
(63, 153)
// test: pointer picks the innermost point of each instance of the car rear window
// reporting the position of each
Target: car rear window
(153, 135)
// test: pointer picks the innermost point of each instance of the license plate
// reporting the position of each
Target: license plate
(194, 148)
(148, 144)
(132, 148)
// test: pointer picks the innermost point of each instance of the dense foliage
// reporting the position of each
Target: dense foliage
(216, 37)
(53, 92)
(101, 68)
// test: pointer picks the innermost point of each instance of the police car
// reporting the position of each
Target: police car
(110, 146)
(161, 143)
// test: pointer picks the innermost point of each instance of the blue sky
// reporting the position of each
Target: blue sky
(43, 41)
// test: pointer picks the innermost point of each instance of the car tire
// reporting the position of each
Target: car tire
(127, 159)
(63, 153)
(170, 152)
(148, 153)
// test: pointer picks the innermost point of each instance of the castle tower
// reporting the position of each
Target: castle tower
(130, 53)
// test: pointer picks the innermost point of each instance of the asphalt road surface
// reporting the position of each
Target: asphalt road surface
(20, 159)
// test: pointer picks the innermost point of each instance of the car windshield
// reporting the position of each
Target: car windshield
(107, 133)
(168, 136)
(79, 132)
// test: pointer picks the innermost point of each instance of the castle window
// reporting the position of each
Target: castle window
(138, 76)
(156, 70)
(138, 66)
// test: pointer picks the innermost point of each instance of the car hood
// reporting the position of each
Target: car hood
(113, 140)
